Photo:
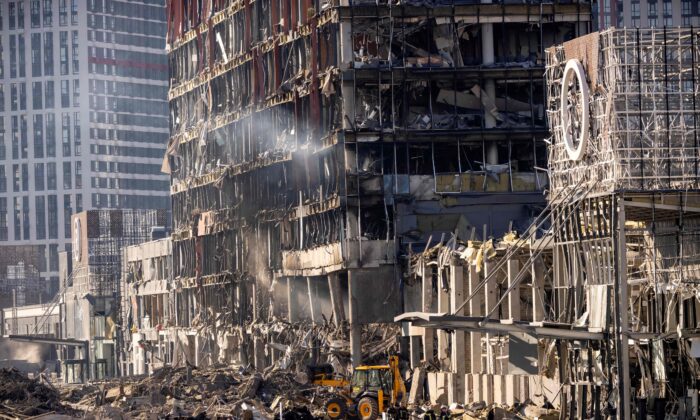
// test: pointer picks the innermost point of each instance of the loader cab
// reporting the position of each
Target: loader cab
(368, 380)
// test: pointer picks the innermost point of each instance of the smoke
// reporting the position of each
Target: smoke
(32, 353)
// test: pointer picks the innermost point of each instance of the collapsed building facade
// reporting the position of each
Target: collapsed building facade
(314, 144)
(607, 296)
(150, 338)
(90, 295)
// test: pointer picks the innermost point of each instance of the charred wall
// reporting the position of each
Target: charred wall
(315, 142)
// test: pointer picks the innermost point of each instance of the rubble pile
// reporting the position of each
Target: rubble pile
(211, 392)
(22, 397)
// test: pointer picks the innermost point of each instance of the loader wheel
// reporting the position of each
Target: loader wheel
(367, 408)
(336, 408)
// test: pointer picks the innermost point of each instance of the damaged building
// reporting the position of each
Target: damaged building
(316, 145)
(150, 338)
(91, 288)
(603, 301)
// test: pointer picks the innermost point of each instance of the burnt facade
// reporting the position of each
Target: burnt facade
(313, 144)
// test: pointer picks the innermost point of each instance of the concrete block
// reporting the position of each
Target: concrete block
(487, 388)
(468, 385)
(475, 387)
(413, 330)
(455, 386)
(522, 393)
(442, 388)
(541, 389)
(499, 389)
(415, 350)
(477, 395)
(417, 385)
(534, 390)
(437, 387)
(511, 389)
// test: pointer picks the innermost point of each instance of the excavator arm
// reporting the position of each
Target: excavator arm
(398, 388)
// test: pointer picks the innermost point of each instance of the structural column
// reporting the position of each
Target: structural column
(514, 295)
(488, 57)
(537, 290)
(292, 310)
(427, 303)
(241, 302)
(415, 345)
(621, 317)
(336, 293)
(259, 359)
(443, 342)
(474, 310)
(314, 304)
(458, 358)
(355, 329)
(346, 58)
(490, 299)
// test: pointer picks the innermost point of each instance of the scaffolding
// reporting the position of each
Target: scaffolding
(618, 328)
(107, 233)
(624, 110)
(643, 110)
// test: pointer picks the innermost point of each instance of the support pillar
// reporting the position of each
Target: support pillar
(314, 304)
(355, 330)
(336, 293)
(458, 357)
(346, 58)
(621, 318)
(254, 298)
(488, 57)
(490, 299)
(443, 337)
(427, 303)
(259, 358)
(415, 345)
(474, 310)
(514, 295)
(241, 302)
(537, 291)
(259, 354)
(292, 310)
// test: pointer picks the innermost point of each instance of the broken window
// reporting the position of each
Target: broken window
(446, 157)
(420, 159)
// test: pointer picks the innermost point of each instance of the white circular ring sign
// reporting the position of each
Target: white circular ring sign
(575, 150)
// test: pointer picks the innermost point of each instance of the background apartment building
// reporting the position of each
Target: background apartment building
(83, 124)
(647, 13)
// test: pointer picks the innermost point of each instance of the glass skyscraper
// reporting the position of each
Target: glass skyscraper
(83, 125)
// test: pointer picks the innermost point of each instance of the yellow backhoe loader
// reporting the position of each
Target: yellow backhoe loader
(372, 390)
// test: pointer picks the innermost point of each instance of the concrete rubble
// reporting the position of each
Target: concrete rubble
(213, 392)
(217, 391)
(22, 397)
